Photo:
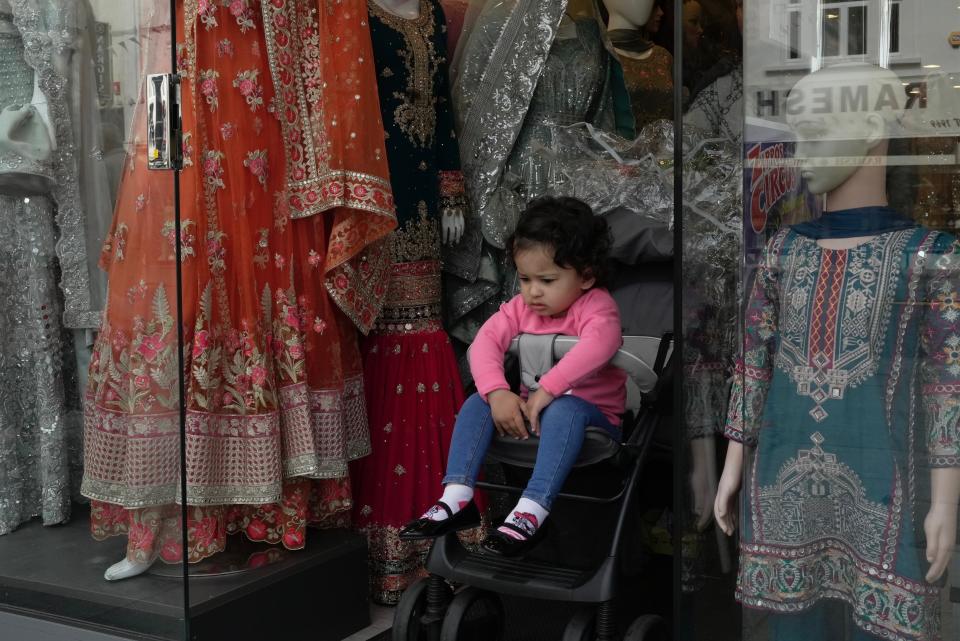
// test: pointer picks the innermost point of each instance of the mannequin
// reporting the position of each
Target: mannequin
(643, 79)
(411, 380)
(452, 222)
(275, 282)
(56, 207)
(628, 14)
(833, 426)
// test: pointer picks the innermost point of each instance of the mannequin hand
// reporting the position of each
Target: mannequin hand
(703, 480)
(728, 490)
(452, 228)
(535, 404)
(940, 527)
(15, 118)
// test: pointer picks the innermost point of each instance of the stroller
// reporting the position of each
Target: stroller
(429, 610)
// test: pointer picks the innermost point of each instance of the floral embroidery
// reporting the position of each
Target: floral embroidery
(314, 258)
(399, 470)
(187, 146)
(319, 325)
(281, 210)
(249, 85)
(421, 388)
(187, 239)
(216, 252)
(120, 242)
(241, 10)
(261, 255)
(209, 88)
(213, 169)
(225, 48)
(207, 12)
(256, 162)
(279, 261)
(366, 510)
(138, 291)
(257, 125)
(141, 203)
(150, 355)
(227, 130)
(388, 428)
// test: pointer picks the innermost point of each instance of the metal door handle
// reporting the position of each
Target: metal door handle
(164, 148)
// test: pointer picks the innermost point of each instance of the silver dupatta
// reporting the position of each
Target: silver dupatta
(503, 50)
(58, 44)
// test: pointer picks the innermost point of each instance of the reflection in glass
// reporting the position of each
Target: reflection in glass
(857, 30)
(830, 32)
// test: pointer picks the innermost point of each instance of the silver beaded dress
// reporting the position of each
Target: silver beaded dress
(37, 426)
(504, 166)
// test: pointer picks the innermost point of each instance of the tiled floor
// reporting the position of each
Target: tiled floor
(381, 618)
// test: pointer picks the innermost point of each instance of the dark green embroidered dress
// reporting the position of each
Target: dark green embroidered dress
(848, 389)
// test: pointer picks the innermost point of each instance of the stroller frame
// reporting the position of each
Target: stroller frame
(427, 609)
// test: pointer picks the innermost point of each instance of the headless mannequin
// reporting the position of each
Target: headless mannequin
(629, 14)
(451, 225)
(848, 185)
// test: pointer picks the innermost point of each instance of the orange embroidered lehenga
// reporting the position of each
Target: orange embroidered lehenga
(285, 204)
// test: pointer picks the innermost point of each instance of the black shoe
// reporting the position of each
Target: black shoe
(505, 545)
(424, 528)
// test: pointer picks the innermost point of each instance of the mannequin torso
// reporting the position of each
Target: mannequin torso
(815, 391)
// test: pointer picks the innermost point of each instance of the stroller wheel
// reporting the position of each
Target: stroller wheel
(473, 615)
(582, 627)
(648, 627)
(407, 625)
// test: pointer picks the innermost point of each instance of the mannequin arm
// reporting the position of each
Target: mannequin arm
(940, 526)
(703, 479)
(725, 505)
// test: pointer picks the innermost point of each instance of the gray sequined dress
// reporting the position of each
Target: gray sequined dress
(38, 428)
(570, 88)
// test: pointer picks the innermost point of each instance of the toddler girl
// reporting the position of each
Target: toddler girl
(560, 250)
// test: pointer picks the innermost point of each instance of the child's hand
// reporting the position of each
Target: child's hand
(507, 410)
(535, 404)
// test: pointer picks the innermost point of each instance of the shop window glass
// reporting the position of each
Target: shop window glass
(830, 459)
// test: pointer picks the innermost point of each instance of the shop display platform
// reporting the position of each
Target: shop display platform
(57, 573)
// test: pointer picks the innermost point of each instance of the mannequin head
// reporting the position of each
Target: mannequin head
(628, 14)
(692, 27)
(841, 117)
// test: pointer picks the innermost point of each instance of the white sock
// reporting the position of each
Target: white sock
(528, 516)
(455, 496)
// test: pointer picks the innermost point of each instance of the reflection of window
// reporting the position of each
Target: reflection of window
(845, 27)
(895, 27)
(793, 30)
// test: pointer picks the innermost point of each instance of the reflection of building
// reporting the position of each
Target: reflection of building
(786, 39)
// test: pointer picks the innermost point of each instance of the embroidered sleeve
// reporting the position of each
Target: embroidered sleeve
(940, 359)
(754, 368)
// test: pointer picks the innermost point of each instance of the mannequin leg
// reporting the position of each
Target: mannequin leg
(126, 569)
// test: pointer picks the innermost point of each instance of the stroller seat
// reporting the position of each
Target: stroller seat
(637, 356)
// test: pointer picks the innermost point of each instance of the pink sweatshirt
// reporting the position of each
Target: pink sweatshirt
(583, 371)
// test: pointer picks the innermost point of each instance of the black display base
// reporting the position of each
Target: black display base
(318, 593)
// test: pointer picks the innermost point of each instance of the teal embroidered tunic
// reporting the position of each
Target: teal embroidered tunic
(848, 392)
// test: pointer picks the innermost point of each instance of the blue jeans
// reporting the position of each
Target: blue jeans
(562, 426)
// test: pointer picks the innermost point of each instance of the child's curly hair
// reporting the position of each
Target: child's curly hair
(568, 226)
